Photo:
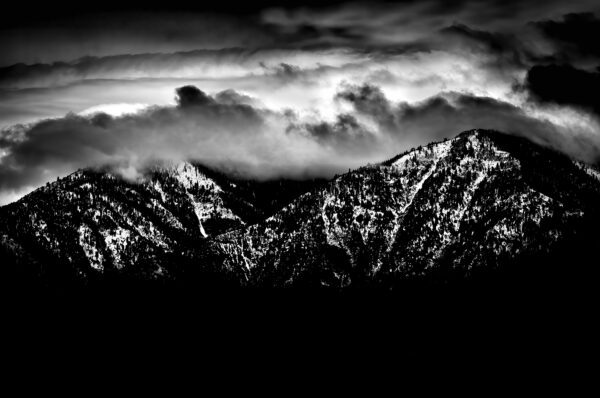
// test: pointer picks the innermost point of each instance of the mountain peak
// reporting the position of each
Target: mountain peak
(478, 201)
(474, 141)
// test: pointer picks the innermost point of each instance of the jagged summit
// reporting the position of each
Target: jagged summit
(476, 138)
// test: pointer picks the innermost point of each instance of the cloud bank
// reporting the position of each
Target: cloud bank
(225, 131)
(302, 90)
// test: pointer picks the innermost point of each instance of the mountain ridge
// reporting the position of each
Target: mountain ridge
(482, 200)
(338, 236)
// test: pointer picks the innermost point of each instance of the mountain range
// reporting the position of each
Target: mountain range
(481, 206)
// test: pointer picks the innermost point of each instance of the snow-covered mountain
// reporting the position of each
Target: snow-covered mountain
(453, 209)
(93, 224)
(450, 210)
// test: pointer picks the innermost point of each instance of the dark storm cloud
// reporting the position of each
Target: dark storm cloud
(69, 37)
(287, 71)
(189, 96)
(565, 85)
(388, 24)
(368, 99)
(58, 33)
(172, 65)
(383, 31)
(576, 35)
(465, 112)
(61, 145)
(283, 64)
(489, 41)
(446, 114)
(346, 133)
(504, 50)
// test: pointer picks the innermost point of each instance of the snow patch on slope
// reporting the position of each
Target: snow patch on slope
(189, 176)
(87, 243)
(467, 198)
(116, 241)
(200, 213)
(438, 152)
(588, 169)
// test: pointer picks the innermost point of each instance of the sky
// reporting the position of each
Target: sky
(297, 90)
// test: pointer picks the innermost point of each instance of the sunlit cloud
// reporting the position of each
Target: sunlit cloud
(114, 109)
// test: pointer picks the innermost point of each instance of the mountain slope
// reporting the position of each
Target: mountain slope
(92, 225)
(480, 201)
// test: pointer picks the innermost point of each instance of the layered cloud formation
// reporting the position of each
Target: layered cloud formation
(297, 92)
